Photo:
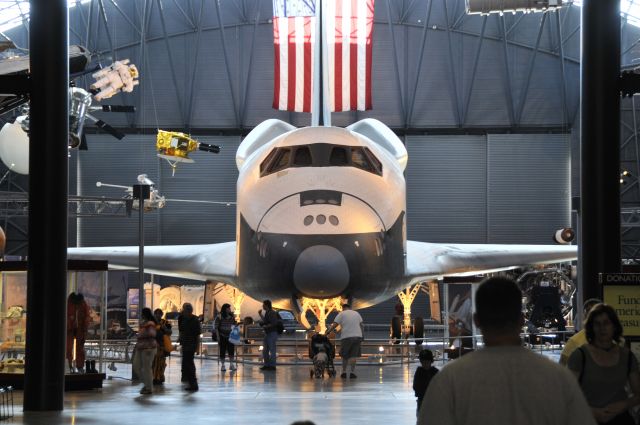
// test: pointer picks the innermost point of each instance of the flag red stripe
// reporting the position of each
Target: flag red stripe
(353, 53)
(338, 57)
(276, 61)
(291, 44)
(308, 72)
(368, 101)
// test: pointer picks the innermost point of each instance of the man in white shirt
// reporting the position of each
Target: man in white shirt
(503, 383)
(351, 330)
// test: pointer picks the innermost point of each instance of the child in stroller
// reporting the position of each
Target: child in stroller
(322, 351)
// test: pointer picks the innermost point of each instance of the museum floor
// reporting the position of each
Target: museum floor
(380, 395)
(249, 396)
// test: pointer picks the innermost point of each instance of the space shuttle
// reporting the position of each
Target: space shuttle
(321, 214)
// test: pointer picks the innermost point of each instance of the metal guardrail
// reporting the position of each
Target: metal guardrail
(384, 350)
(119, 351)
(6, 403)
(293, 348)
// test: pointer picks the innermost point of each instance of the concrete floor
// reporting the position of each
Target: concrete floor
(380, 395)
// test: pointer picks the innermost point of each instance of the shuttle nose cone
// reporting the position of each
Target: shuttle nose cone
(321, 271)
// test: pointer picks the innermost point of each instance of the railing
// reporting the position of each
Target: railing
(6, 403)
(293, 348)
(112, 350)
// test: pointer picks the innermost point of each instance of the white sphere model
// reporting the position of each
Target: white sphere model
(14, 147)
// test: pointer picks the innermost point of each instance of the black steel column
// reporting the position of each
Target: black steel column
(47, 272)
(600, 146)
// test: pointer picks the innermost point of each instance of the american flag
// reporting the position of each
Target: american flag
(294, 33)
(349, 34)
(349, 28)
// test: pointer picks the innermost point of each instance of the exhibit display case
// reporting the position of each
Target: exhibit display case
(13, 319)
(86, 322)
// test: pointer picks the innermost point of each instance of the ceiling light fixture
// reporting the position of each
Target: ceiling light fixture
(485, 7)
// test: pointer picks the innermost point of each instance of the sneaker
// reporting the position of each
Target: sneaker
(343, 375)
(224, 369)
(232, 367)
(191, 388)
(145, 390)
(352, 376)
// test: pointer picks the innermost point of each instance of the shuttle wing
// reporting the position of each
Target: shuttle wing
(200, 262)
(432, 260)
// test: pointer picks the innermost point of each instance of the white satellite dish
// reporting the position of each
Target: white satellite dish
(14, 147)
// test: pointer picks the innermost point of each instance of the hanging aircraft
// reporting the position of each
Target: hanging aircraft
(321, 214)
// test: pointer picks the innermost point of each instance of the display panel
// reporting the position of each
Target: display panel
(13, 315)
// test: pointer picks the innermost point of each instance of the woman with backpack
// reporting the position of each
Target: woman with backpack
(163, 328)
(604, 368)
(224, 324)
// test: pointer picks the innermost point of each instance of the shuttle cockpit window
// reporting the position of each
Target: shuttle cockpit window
(302, 157)
(376, 162)
(364, 159)
(280, 161)
(320, 155)
(267, 161)
(338, 157)
(360, 160)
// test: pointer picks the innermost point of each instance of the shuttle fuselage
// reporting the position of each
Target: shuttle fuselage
(321, 213)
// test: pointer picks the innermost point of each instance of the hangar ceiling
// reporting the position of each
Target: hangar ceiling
(208, 64)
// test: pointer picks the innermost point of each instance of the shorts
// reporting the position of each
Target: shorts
(350, 347)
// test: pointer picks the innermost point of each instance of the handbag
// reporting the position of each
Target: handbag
(234, 336)
(167, 346)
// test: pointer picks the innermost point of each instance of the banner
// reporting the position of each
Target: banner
(622, 292)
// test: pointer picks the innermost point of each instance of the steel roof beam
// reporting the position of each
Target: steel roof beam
(425, 33)
(505, 52)
(563, 85)
(171, 61)
(474, 72)
(195, 66)
(141, 55)
(527, 81)
(243, 110)
(124, 15)
(103, 14)
(226, 63)
(452, 71)
(395, 64)
(193, 26)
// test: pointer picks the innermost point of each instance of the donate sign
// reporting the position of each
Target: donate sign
(622, 292)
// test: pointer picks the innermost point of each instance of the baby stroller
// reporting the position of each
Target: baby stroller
(322, 351)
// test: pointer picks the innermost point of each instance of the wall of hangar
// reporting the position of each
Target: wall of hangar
(210, 178)
(499, 188)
